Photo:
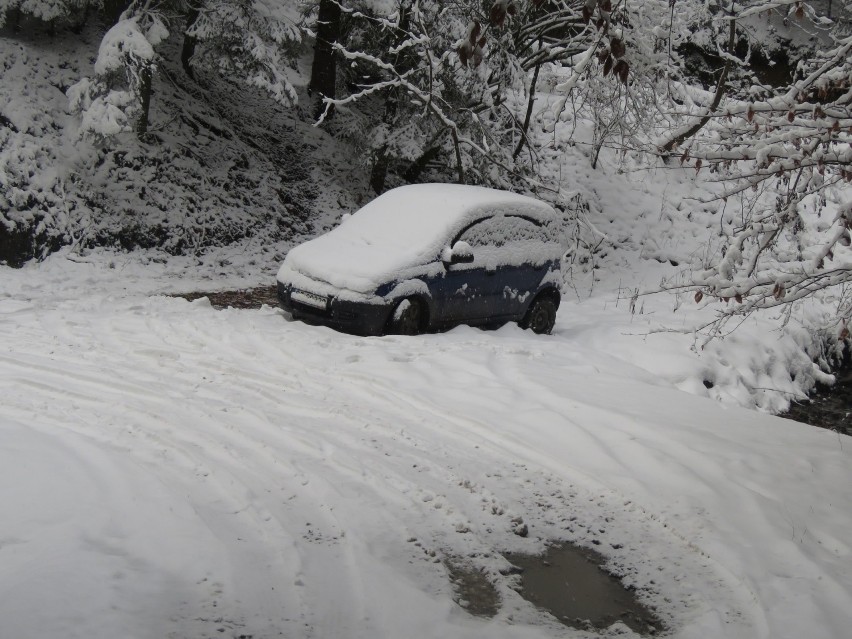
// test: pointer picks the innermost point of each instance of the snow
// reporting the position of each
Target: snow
(126, 40)
(105, 115)
(170, 470)
(403, 228)
(85, 188)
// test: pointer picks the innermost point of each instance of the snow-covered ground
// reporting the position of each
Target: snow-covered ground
(171, 470)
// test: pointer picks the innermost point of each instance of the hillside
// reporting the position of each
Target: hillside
(227, 180)
(221, 163)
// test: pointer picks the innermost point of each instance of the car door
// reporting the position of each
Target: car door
(521, 267)
(466, 291)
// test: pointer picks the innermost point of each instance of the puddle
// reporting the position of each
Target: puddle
(568, 582)
(473, 591)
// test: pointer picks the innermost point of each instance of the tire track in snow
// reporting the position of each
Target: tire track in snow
(370, 389)
(671, 548)
(165, 445)
(257, 453)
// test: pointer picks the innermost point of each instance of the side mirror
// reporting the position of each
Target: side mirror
(461, 253)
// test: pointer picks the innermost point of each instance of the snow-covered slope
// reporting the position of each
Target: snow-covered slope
(221, 162)
(169, 470)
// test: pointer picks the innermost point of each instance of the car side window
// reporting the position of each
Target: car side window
(502, 240)
(519, 229)
(487, 232)
(502, 230)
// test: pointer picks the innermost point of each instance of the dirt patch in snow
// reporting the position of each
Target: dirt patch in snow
(829, 406)
(246, 298)
(472, 589)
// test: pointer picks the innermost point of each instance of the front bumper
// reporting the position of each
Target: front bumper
(359, 318)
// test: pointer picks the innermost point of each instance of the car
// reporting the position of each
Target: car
(428, 257)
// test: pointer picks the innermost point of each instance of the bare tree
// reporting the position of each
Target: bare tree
(787, 157)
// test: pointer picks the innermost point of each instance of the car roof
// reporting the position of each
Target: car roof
(443, 207)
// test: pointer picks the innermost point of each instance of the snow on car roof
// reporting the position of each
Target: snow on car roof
(437, 206)
(406, 226)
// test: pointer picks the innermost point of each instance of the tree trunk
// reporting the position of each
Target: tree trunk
(379, 172)
(189, 42)
(417, 167)
(13, 19)
(113, 9)
(680, 138)
(459, 166)
(78, 19)
(145, 95)
(324, 69)
(528, 115)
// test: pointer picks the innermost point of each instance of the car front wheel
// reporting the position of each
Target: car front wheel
(407, 318)
(541, 316)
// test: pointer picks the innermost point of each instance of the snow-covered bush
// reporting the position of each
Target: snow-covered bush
(116, 99)
(36, 208)
(252, 40)
(256, 40)
(53, 12)
(217, 166)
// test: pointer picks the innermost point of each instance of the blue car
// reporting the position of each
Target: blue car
(428, 257)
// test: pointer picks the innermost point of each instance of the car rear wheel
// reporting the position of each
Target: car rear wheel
(541, 316)
(407, 318)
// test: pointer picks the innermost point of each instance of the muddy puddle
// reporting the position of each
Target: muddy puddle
(566, 581)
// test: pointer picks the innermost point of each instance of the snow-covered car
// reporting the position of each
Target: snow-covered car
(427, 257)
